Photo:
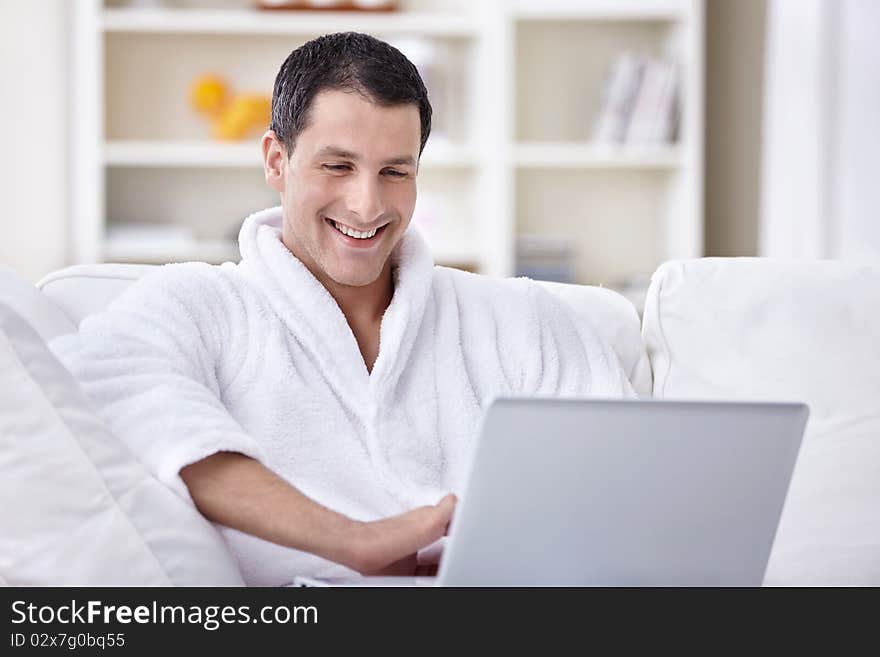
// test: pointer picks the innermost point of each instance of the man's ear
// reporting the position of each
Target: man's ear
(274, 160)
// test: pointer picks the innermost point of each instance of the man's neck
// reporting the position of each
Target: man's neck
(363, 307)
(365, 304)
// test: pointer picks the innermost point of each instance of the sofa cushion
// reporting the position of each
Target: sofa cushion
(78, 508)
(758, 329)
(36, 309)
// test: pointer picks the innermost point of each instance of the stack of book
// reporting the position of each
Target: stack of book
(546, 258)
(640, 102)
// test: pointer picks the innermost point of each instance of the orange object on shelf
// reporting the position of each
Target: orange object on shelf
(209, 95)
(244, 114)
(233, 116)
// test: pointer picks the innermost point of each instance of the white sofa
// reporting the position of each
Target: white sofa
(739, 328)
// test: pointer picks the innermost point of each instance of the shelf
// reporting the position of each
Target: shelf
(170, 154)
(181, 154)
(151, 251)
(601, 10)
(303, 23)
(525, 79)
(157, 251)
(580, 155)
(442, 154)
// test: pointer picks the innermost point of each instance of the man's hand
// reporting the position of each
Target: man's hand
(389, 546)
(239, 492)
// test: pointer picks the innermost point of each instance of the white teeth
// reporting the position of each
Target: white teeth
(353, 233)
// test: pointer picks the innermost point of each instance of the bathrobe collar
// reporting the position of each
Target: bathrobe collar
(317, 322)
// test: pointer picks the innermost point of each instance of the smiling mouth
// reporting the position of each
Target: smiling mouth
(355, 234)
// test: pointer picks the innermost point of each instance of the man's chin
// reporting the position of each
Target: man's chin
(354, 278)
(354, 270)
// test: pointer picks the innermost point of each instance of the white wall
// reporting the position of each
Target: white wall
(821, 131)
(855, 232)
(33, 135)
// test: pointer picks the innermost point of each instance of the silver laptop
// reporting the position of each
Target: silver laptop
(619, 493)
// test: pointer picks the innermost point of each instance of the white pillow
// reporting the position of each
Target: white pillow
(749, 328)
(615, 319)
(78, 508)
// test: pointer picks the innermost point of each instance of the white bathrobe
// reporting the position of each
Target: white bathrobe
(257, 358)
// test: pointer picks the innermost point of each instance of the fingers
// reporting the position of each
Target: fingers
(384, 543)
(446, 506)
(449, 500)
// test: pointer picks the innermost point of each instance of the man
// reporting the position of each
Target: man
(318, 399)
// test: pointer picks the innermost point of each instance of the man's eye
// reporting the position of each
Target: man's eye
(394, 173)
(337, 167)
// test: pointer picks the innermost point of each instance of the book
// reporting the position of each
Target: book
(666, 119)
(652, 118)
(546, 258)
(619, 94)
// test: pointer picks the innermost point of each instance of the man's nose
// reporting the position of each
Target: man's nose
(366, 200)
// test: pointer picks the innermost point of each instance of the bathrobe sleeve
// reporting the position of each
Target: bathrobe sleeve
(155, 364)
(569, 358)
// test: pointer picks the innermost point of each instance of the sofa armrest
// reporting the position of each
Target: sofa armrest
(81, 290)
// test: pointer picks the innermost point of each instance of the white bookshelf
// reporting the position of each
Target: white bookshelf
(602, 10)
(586, 156)
(124, 250)
(251, 22)
(512, 154)
(622, 209)
(182, 153)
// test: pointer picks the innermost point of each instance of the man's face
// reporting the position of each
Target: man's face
(352, 170)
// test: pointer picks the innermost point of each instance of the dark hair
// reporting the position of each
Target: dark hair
(346, 61)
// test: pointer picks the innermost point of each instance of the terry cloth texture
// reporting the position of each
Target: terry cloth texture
(257, 358)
